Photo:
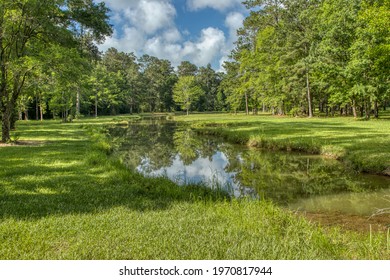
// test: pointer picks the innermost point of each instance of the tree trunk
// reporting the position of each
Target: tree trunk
(78, 102)
(8, 104)
(6, 126)
(41, 110)
(36, 108)
(367, 109)
(354, 108)
(13, 119)
(96, 106)
(309, 94)
(246, 104)
(376, 110)
(5, 134)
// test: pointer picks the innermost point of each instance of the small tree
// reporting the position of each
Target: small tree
(187, 91)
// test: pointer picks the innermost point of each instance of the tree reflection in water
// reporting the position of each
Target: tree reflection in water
(157, 148)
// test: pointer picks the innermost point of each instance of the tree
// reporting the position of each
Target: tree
(187, 68)
(209, 81)
(368, 67)
(159, 79)
(230, 84)
(337, 22)
(25, 24)
(124, 72)
(186, 92)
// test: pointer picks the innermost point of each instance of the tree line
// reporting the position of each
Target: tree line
(44, 47)
(299, 57)
(296, 57)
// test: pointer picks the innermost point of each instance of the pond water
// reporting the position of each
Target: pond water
(297, 181)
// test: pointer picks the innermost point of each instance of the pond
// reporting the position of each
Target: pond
(296, 181)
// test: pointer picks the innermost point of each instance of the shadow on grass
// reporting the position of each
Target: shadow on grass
(35, 191)
(65, 177)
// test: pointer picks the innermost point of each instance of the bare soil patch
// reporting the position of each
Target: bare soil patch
(350, 222)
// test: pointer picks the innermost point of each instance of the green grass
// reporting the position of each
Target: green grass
(365, 145)
(64, 197)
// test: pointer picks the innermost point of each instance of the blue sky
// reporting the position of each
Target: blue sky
(200, 31)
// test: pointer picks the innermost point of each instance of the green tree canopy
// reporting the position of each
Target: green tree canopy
(186, 92)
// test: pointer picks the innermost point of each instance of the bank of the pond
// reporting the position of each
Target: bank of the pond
(67, 199)
(364, 145)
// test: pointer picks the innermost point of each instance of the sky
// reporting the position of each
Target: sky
(200, 31)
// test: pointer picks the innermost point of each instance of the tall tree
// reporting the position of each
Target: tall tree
(368, 68)
(187, 68)
(186, 92)
(337, 24)
(209, 81)
(159, 79)
(27, 23)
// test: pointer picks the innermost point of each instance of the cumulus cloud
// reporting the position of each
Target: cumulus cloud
(151, 15)
(211, 42)
(131, 40)
(148, 27)
(201, 51)
(233, 22)
(220, 5)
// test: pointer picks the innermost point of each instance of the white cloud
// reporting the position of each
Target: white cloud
(172, 35)
(151, 15)
(234, 21)
(157, 46)
(220, 5)
(148, 27)
(132, 40)
(147, 15)
(201, 51)
(211, 42)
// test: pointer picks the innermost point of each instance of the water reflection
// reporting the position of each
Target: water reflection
(167, 149)
(352, 203)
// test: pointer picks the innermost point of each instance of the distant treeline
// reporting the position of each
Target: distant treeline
(292, 57)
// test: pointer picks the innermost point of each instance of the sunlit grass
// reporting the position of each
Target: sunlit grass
(67, 199)
(363, 144)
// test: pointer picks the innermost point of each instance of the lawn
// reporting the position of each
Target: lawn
(365, 145)
(63, 196)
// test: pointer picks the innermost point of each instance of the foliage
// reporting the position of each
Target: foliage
(29, 29)
(186, 92)
(298, 55)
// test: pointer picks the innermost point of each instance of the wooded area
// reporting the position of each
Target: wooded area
(295, 57)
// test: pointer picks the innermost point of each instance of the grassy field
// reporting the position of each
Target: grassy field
(363, 144)
(63, 197)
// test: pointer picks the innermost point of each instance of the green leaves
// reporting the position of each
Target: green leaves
(292, 54)
(186, 91)
(50, 34)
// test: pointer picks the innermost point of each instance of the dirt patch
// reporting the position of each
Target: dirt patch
(349, 222)
(22, 143)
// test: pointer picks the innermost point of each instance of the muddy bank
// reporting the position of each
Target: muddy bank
(379, 223)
